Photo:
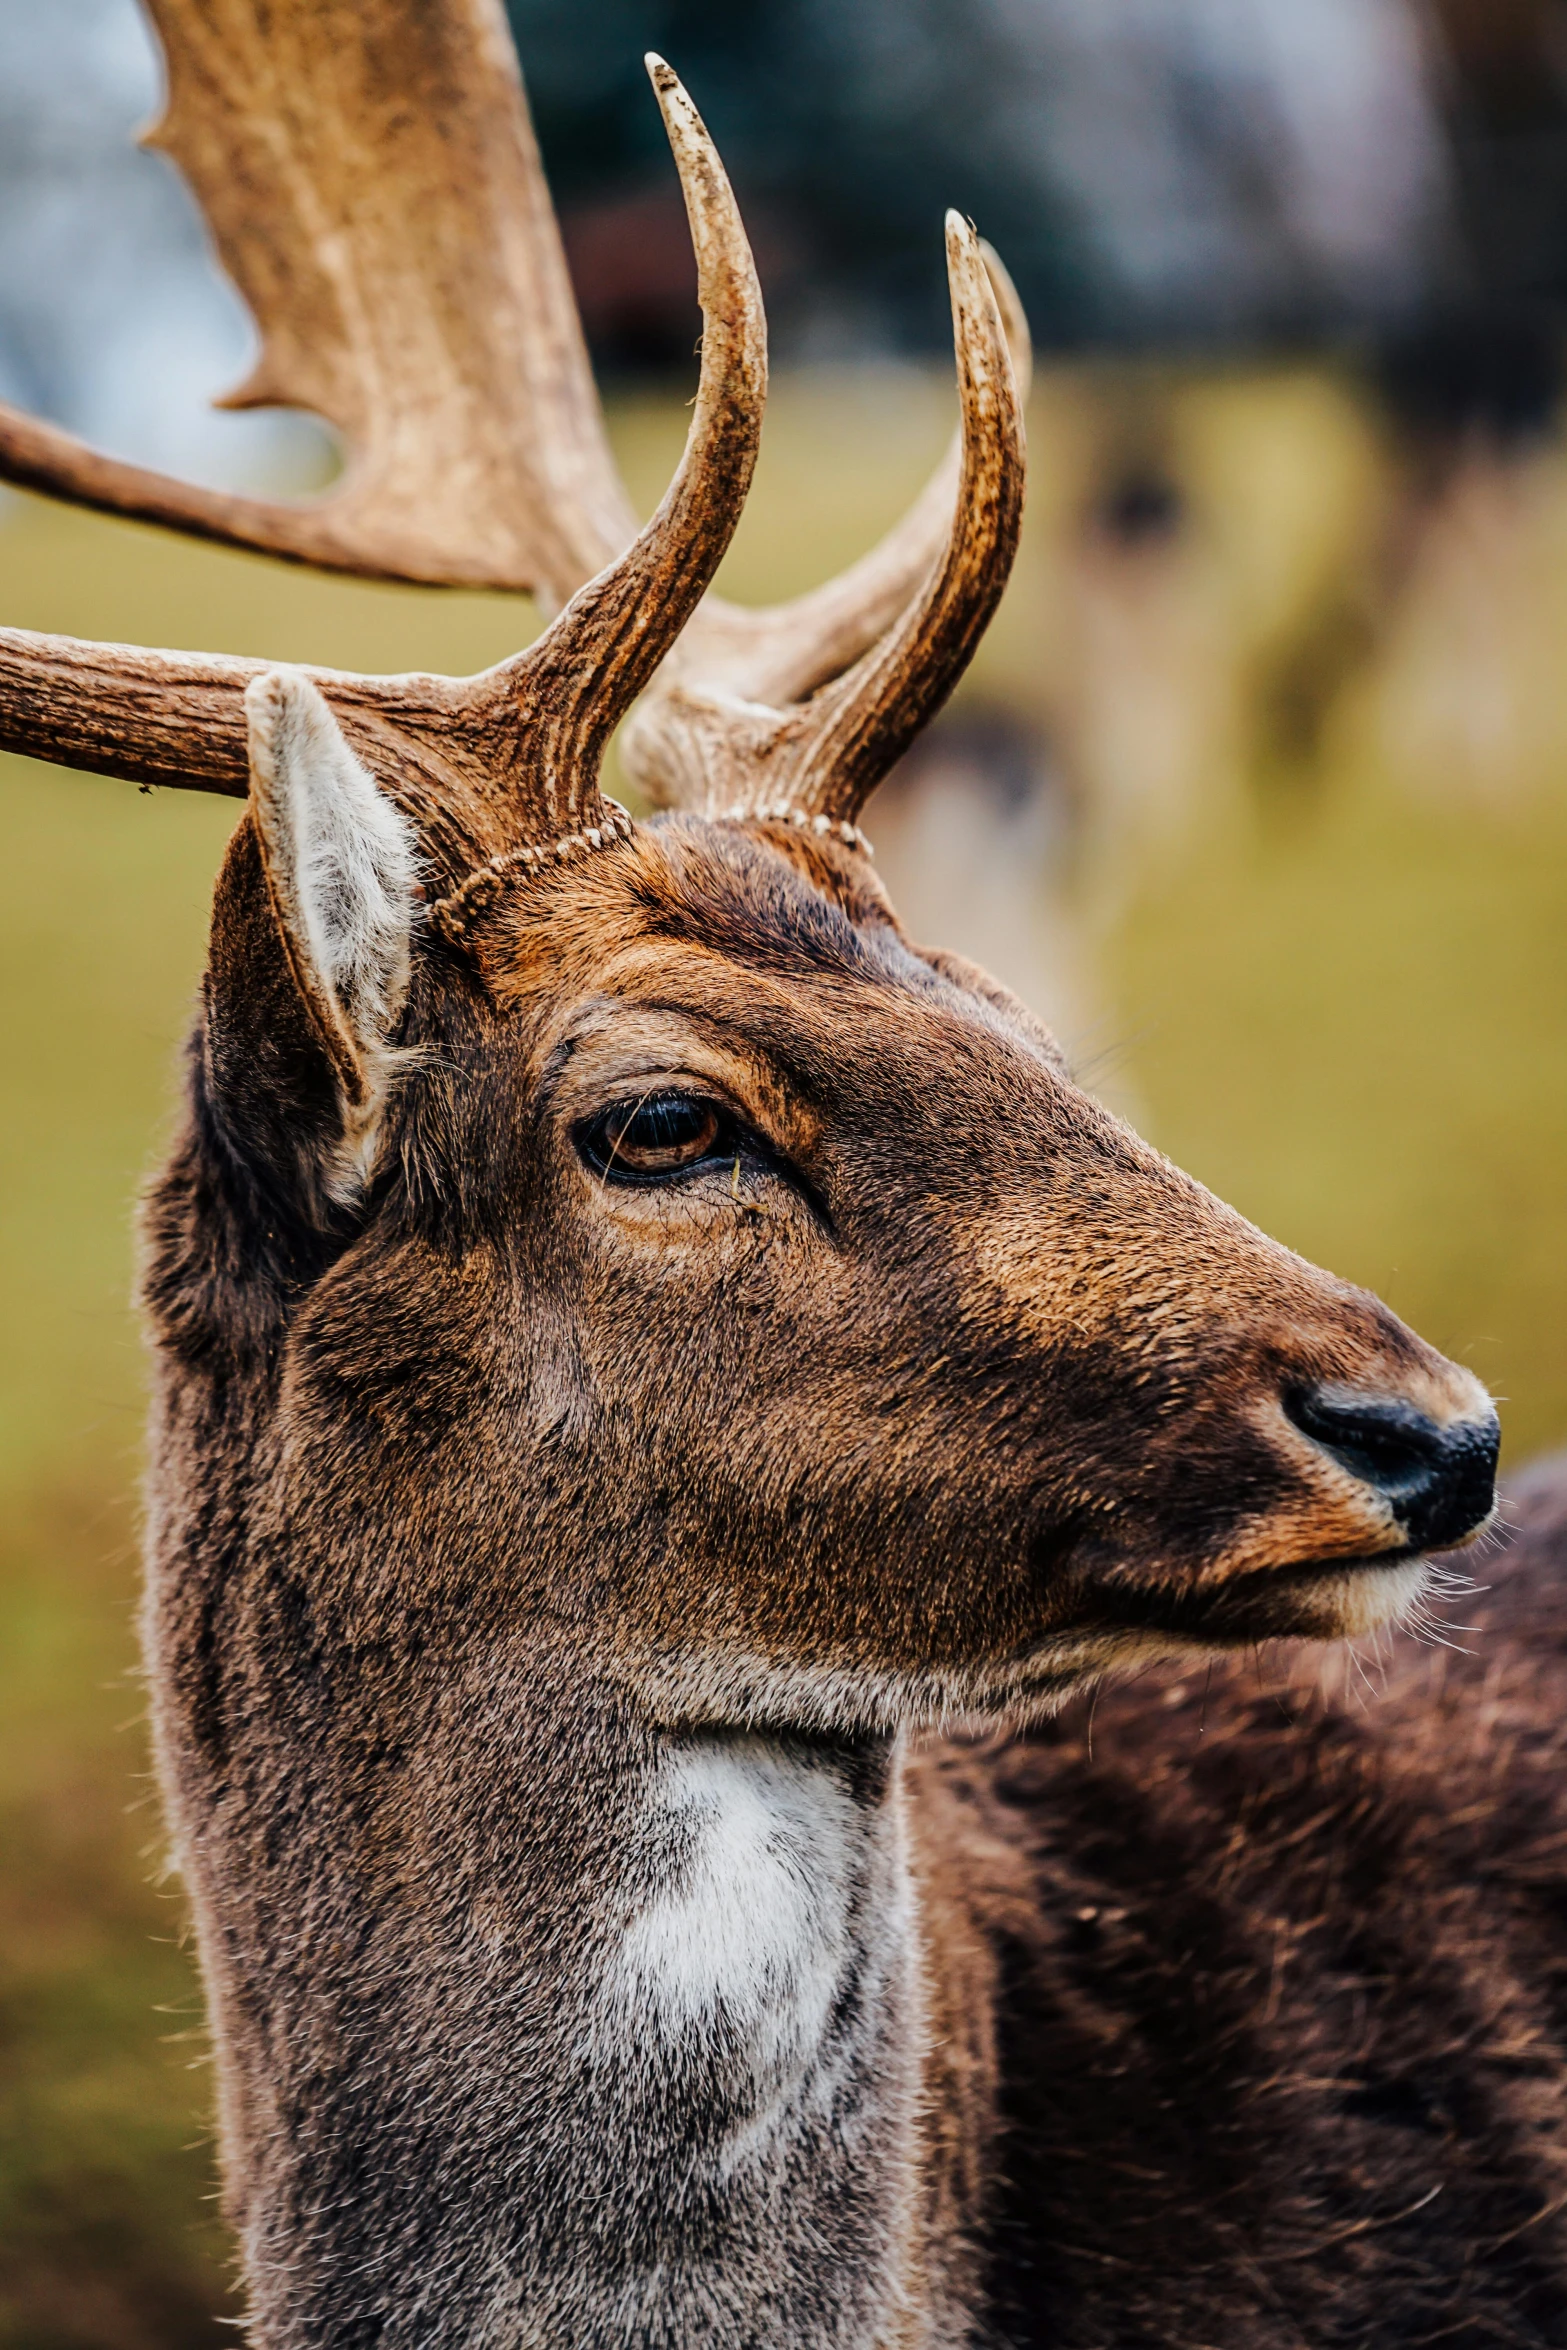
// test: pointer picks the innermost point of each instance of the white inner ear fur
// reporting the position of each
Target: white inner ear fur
(343, 874)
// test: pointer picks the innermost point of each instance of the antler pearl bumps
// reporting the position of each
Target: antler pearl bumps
(825, 827)
(455, 915)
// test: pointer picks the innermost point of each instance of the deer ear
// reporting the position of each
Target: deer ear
(342, 876)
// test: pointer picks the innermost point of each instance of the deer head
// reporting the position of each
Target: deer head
(841, 1242)
(609, 1267)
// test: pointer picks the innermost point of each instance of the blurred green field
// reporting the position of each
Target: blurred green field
(1317, 737)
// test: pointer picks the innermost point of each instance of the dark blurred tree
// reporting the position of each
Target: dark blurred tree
(1274, 170)
(1502, 75)
(848, 130)
(1487, 353)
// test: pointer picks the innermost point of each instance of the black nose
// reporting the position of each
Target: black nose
(1439, 1482)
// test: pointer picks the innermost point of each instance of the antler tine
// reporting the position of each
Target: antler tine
(710, 738)
(779, 653)
(564, 697)
(1014, 319)
(516, 749)
(370, 176)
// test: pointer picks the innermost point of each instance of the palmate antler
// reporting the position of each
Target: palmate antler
(370, 175)
(370, 178)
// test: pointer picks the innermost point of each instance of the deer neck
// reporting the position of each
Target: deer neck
(754, 2016)
(601, 2035)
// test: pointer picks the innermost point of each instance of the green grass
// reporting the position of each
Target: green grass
(104, 2238)
(1336, 970)
(1355, 1029)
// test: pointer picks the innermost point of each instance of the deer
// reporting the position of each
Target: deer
(666, 1392)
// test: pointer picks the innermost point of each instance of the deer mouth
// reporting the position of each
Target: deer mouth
(1314, 1599)
(1337, 1599)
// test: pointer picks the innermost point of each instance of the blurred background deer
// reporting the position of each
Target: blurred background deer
(1267, 742)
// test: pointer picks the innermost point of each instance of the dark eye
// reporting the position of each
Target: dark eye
(661, 1135)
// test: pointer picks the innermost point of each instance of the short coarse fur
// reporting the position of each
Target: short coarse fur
(556, 1586)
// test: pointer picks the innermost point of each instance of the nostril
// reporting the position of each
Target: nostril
(1439, 1482)
(1388, 1443)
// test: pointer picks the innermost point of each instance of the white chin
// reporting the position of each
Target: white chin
(1367, 1598)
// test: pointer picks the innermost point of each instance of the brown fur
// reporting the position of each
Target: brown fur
(483, 1504)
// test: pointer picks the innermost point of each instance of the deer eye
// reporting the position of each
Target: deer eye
(664, 1134)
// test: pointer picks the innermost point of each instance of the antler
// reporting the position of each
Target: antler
(798, 711)
(373, 183)
(371, 179)
(518, 747)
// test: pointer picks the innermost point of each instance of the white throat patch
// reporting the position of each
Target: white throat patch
(757, 1866)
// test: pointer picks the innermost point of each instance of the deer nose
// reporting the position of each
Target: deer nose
(1440, 1483)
